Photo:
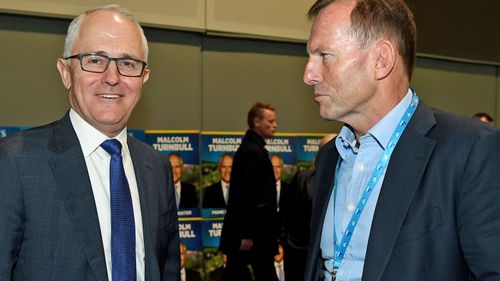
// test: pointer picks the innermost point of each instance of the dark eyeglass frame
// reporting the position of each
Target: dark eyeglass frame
(109, 59)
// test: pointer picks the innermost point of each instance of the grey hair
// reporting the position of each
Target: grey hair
(74, 27)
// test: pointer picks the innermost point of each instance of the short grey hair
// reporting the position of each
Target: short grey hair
(74, 27)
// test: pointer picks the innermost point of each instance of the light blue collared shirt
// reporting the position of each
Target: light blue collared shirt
(357, 165)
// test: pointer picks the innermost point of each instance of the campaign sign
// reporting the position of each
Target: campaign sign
(307, 147)
(190, 228)
(284, 146)
(184, 143)
(137, 134)
(213, 146)
(212, 226)
(5, 131)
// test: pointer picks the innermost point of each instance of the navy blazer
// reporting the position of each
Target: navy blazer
(251, 207)
(213, 196)
(49, 228)
(438, 213)
(189, 197)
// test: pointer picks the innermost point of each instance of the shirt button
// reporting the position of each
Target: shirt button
(361, 167)
(350, 207)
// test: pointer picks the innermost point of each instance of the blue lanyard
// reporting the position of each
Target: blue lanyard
(377, 172)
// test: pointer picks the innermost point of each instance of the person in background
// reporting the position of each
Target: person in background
(187, 274)
(297, 219)
(484, 117)
(216, 195)
(249, 231)
(279, 264)
(185, 193)
(79, 198)
(282, 190)
(404, 192)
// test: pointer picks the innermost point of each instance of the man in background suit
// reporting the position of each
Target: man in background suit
(55, 221)
(249, 233)
(404, 192)
(216, 195)
(297, 219)
(187, 274)
(185, 193)
(282, 190)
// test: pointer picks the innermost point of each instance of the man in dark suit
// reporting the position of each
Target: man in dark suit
(187, 274)
(249, 234)
(297, 219)
(282, 190)
(216, 195)
(404, 192)
(185, 193)
(56, 213)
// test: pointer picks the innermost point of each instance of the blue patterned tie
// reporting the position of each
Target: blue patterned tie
(122, 217)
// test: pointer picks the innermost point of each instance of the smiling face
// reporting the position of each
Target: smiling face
(105, 100)
(277, 166)
(338, 69)
(225, 165)
(177, 167)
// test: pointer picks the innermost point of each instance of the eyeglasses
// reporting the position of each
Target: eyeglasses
(99, 63)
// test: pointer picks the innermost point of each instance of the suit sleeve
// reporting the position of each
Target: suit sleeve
(248, 187)
(11, 213)
(478, 214)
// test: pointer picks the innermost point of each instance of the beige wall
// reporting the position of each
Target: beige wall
(208, 83)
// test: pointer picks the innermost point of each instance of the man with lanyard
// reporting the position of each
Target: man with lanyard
(404, 192)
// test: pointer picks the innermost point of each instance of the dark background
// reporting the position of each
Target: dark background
(465, 29)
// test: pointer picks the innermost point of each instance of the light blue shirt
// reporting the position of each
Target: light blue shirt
(357, 165)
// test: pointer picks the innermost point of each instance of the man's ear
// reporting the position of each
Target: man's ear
(385, 58)
(63, 67)
(256, 123)
(145, 76)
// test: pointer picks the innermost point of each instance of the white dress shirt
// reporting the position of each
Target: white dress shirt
(225, 190)
(177, 186)
(98, 162)
(280, 270)
(278, 191)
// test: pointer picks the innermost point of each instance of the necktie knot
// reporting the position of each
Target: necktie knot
(112, 146)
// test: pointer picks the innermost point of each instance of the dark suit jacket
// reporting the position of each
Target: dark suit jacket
(214, 197)
(189, 198)
(216, 275)
(438, 213)
(297, 210)
(251, 209)
(283, 198)
(49, 229)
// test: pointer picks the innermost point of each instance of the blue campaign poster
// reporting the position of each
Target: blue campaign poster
(183, 143)
(213, 146)
(212, 226)
(285, 146)
(7, 130)
(137, 134)
(307, 147)
(190, 228)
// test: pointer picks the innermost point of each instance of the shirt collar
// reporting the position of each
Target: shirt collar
(90, 138)
(381, 132)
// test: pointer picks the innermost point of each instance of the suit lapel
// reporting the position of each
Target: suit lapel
(70, 172)
(400, 184)
(323, 187)
(142, 169)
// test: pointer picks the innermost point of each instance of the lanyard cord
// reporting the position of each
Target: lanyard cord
(376, 175)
